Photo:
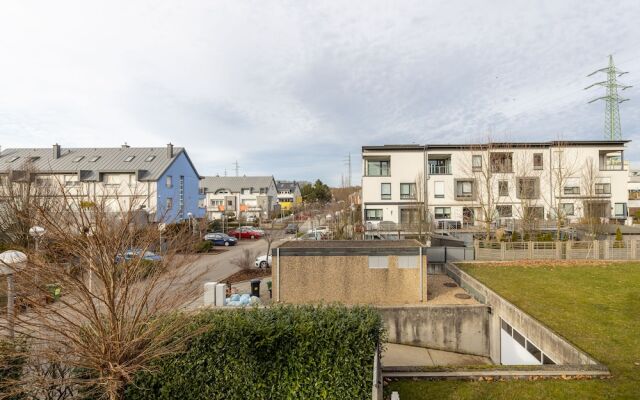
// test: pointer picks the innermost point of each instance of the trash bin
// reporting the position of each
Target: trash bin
(255, 287)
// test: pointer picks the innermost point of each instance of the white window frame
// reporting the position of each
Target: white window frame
(408, 262)
(438, 189)
(168, 182)
(385, 195)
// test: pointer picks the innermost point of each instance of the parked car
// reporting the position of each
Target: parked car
(321, 229)
(263, 261)
(220, 239)
(311, 235)
(136, 253)
(291, 228)
(251, 218)
(246, 232)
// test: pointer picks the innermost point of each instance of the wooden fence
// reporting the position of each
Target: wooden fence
(570, 250)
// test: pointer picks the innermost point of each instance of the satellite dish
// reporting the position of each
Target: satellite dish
(10, 260)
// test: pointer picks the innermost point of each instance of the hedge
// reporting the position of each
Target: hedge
(281, 352)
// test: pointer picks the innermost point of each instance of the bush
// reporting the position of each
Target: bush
(282, 352)
(203, 246)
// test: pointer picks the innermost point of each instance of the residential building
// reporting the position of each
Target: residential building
(634, 192)
(388, 272)
(493, 183)
(289, 194)
(241, 196)
(160, 180)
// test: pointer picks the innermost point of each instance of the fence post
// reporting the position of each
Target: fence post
(558, 249)
(476, 246)
(596, 250)
(569, 251)
(530, 250)
(503, 250)
(634, 248)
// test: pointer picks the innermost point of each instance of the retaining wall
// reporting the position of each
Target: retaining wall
(459, 328)
(552, 344)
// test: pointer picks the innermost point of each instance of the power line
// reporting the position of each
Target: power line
(612, 128)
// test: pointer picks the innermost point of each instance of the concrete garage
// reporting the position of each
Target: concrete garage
(351, 272)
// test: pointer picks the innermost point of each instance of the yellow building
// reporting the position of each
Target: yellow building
(289, 194)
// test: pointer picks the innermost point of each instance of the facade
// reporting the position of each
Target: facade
(289, 194)
(634, 192)
(494, 183)
(159, 180)
(389, 272)
(242, 196)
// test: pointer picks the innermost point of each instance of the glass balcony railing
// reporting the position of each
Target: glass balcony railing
(439, 169)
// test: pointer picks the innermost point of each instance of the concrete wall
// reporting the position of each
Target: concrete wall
(347, 279)
(552, 344)
(459, 328)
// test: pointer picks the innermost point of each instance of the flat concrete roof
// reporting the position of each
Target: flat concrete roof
(345, 244)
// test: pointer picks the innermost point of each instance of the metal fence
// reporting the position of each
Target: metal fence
(570, 250)
(444, 254)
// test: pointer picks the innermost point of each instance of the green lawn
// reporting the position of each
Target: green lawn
(595, 307)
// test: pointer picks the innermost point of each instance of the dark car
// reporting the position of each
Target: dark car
(291, 228)
(220, 239)
(246, 232)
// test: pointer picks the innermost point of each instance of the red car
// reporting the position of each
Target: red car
(246, 232)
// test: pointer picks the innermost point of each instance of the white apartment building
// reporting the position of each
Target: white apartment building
(494, 182)
(241, 195)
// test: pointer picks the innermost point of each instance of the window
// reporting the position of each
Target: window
(12, 159)
(501, 162)
(169, 203)
(532, 213)
(634, 194)
(373, 214)
(535, 352)
(611, 160)
(438, 189)
(215, 202)
(263, 190)
(44, 181)
(519, 338)
(71, 180)
(150, 158)
(620, 209)
(245, 191)
(503, 188)
(603, 188)
(129, 158)
(504, 211)
(378, 262)
(567, 209)
(111, 179)
(464, 190)
(408, 262)
(378, 168)
(572, 187)
(537, 161)
(407, 191)
(78, 159)
(94, 158)
(476, 163)
(409, 215)
(168, 182)
(528, 188)
(230, 203)
(442, 213)
(385, 191)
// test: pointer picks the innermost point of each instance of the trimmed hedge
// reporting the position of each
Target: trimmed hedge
(281, 352)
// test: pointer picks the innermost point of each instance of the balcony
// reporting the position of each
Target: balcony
(439, 164)
(611, 160)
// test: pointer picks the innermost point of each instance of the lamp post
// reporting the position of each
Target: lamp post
(36, 233)
(190, 216)
(10, 262)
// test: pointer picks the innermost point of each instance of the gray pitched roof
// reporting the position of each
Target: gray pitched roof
(286, 185)
(235, 183)
(149, 163)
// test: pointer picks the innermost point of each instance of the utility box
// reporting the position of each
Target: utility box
(221, 294)
(210, 293)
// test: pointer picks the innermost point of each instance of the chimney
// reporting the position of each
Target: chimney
(169, 150)
(125, 146)
(56, 151)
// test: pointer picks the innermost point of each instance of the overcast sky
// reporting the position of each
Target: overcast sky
(289, 88)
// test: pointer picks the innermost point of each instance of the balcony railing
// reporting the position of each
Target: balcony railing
(439, 169)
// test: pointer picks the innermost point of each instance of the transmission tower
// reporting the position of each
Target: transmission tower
(237, 168)
(612, 129)
(347, 180)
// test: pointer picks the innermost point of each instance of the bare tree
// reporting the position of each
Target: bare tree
(245, 260)
(528, 170)
(563, 169)
(421, 215)
(118, 309)
(595, 210)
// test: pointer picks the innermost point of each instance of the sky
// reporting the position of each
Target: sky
(290, 88)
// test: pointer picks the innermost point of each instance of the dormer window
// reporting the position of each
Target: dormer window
(129, 158)
(150, 158)
(94, 158)
(78, 159)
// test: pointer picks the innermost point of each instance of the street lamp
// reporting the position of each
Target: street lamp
(190, 216)
(36, 233)
(10, 262)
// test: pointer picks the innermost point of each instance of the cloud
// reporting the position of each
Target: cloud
(289, 88)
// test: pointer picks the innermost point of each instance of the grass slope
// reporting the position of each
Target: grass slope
(596, 307)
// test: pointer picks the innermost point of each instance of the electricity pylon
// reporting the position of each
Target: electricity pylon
(612, 129)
